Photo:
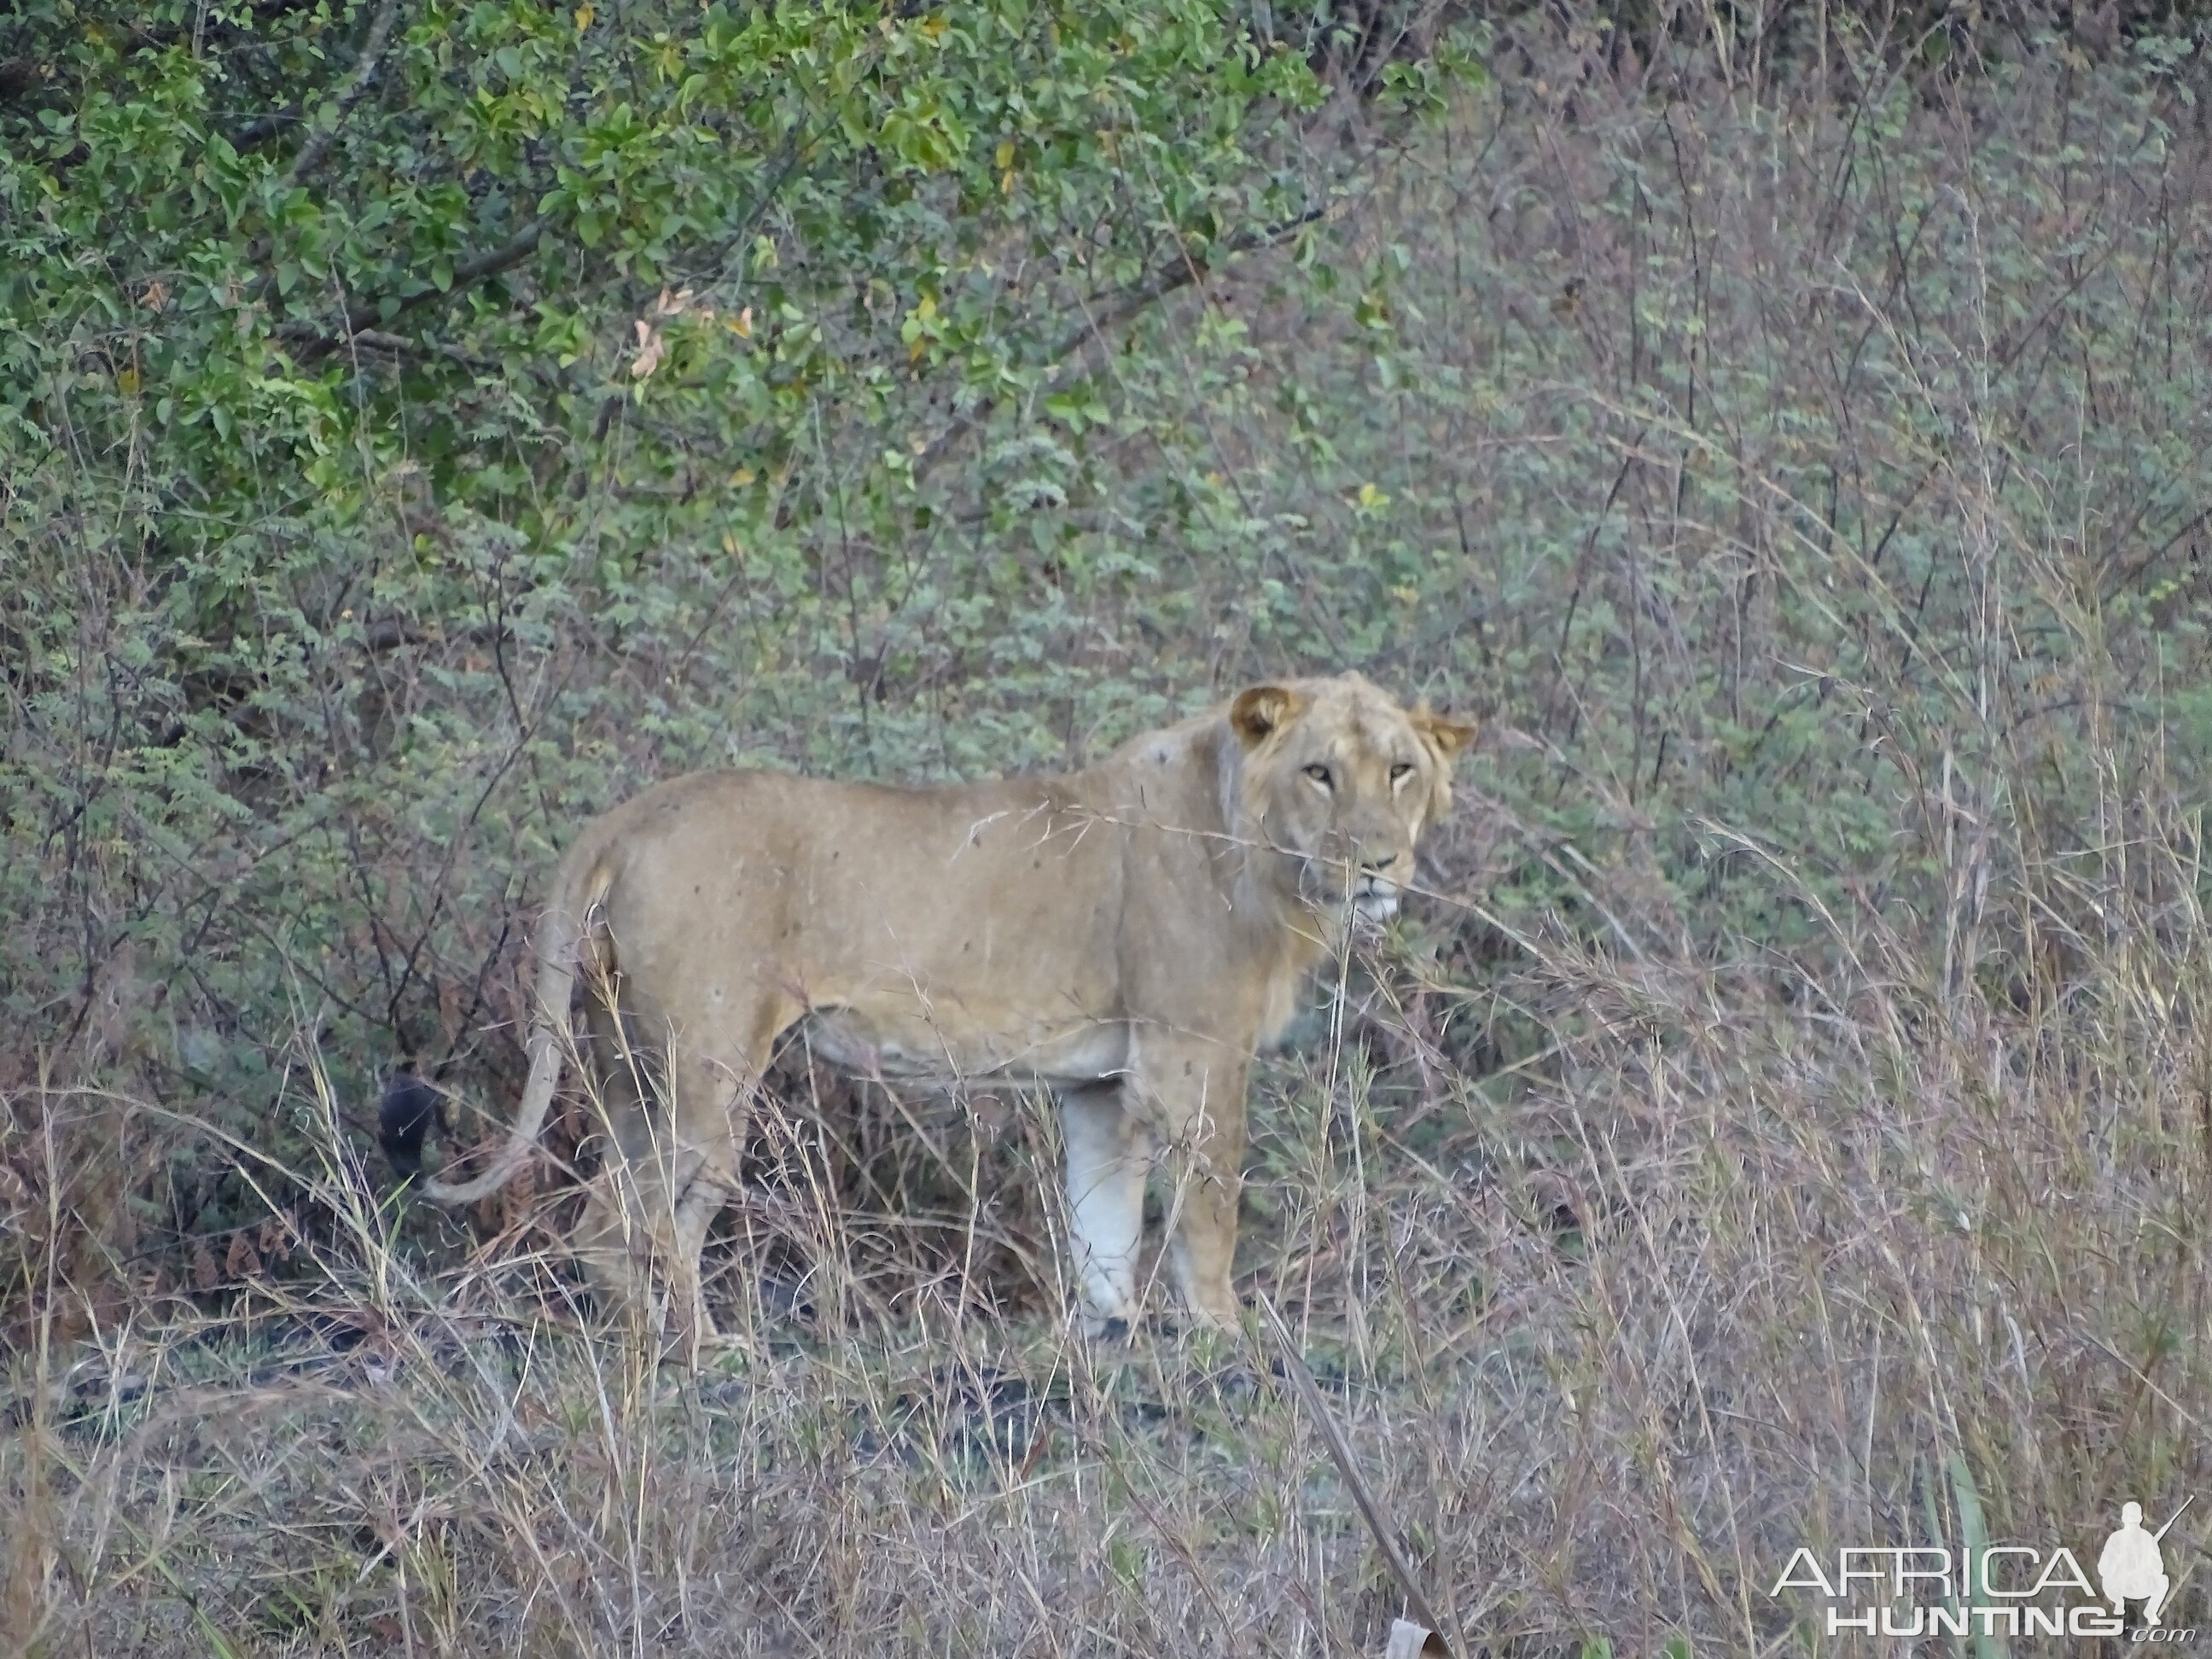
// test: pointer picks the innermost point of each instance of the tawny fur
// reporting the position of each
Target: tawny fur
(1129, 935)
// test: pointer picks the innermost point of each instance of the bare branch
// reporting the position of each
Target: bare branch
(356, 326)
(364, 71)
(1124, 306)
(400, 346)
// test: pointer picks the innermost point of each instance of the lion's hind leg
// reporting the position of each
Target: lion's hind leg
(697, 1160)
(670, 1111)
(607, 1243)
(611, 1238)
(647, 1209)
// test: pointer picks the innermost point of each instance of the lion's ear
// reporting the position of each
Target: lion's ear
(1263, 710)
(1449, 736)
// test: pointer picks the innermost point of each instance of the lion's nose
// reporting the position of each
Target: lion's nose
(1377, 864)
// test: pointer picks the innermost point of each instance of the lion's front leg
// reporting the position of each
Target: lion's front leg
(1202, 1247)
(1196, 1092)
(1105, 1200)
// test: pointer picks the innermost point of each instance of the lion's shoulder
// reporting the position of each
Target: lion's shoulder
(1191, 744)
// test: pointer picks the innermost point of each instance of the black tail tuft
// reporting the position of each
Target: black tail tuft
(410, 1106)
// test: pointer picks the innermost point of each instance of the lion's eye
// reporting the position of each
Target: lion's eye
(1401, 771)
(1319, 774)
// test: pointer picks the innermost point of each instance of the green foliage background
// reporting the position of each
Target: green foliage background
(422, 424)
(1783, 1123)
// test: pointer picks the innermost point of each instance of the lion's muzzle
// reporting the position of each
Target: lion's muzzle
(1376, 888)
(1376, 898)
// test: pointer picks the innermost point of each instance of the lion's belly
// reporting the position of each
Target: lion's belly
(905, 1045)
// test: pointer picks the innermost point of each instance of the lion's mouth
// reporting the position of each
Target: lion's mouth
(1375, 900)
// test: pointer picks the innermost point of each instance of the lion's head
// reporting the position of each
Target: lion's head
(1341, 780)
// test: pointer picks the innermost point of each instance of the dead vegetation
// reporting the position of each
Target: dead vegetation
(1783, 1123)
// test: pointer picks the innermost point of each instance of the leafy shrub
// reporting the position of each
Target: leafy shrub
(1783, 1119)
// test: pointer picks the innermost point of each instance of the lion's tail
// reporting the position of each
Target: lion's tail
(581, 889)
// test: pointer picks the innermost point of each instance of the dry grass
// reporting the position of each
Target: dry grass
(1630, 1252)
(1752, 1260)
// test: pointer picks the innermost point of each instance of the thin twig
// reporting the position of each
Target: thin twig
(355, 324)
(1340, 1451)
(319, 141)
(1178, 274)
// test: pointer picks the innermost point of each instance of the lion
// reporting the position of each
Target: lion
(1129, 937)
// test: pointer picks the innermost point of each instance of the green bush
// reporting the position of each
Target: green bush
(1782, 1122)
(422, 426)
(421, 429)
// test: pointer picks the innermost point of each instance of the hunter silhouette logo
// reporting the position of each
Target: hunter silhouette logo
(1994, 1588)
(2131, 1569)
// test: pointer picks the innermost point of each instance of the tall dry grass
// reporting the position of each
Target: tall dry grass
(1753, 1259)
(1634, 1243)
